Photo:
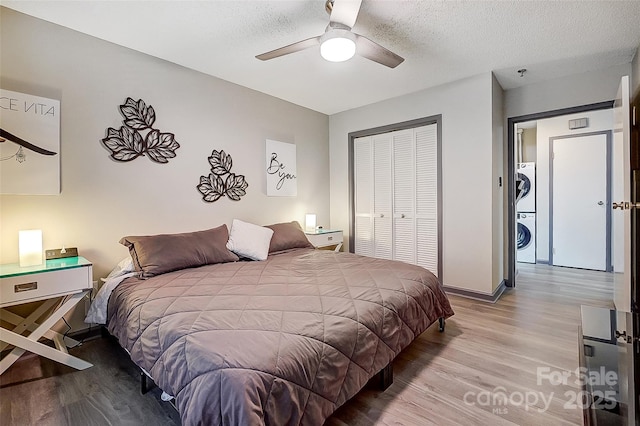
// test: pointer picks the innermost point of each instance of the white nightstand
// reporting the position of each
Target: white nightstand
(64, 282)
(325, 238)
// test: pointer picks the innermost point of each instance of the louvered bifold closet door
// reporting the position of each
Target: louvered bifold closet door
(426, 199)
(363, 201)
(382, 196)
(396, 196)
(404, 234)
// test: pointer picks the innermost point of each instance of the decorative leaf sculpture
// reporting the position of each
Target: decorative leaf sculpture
(128, 143)
(235, 186)
(125, 144)
(214, 186)
(211, 187)
(161, 146)
(221, 162)
(137, 115)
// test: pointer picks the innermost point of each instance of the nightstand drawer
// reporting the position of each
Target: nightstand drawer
(325, 239)
(44, 285)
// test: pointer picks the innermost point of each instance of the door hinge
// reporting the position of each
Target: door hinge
(626, 337)
(625, 205)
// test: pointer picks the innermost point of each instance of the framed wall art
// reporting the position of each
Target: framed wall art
(29, 144)
(281, 169)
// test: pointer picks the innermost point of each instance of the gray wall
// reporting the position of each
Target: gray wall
(635, 74)
(497, 182)
(529, 150)
(573, 90)
(471, 256)
(103, 200)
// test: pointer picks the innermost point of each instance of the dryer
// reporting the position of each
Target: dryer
(526, 174)
(526, 238)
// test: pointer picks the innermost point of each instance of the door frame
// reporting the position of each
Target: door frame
(419, 122)
(608, 218)
(511, 174)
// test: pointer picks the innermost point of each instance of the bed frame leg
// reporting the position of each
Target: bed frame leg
(441, 324)
(144, 383)
(386, 377)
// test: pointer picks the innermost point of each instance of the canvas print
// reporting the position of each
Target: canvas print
(281, 169)
(29, 144)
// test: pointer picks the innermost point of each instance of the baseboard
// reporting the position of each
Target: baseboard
(542, 262)
(89, 333)
(491, 298)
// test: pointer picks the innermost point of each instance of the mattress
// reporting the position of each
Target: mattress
(284, 341)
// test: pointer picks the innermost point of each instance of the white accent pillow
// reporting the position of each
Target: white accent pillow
(124, 267)
(249, 240)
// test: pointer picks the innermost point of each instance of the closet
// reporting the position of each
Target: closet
(396, 196)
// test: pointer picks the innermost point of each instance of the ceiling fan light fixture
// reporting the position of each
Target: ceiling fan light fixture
(338, 45)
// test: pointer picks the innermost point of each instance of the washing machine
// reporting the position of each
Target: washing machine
(526, 179)
(526, 238)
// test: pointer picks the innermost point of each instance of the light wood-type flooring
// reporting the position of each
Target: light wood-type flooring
(441, 379)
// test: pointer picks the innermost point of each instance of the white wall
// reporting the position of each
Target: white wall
(551, 128)
(635, 74)
(574, 90)
(468, 174)
(497, 227)
(103, 200)
(529, 150)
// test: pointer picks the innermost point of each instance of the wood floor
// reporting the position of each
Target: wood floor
(441, 379)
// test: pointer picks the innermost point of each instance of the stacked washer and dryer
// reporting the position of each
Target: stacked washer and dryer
(526, 208)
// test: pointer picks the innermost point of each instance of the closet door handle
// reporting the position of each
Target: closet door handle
(402, 215)
(381, 214)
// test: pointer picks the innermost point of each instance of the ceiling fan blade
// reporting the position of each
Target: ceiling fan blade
(292, 48)
(373, 51)
(345, 12)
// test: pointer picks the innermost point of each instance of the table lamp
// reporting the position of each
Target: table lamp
(310, 222)
(30, 247)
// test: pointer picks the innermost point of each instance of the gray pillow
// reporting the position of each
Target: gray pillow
(287, 236)
(157, 254)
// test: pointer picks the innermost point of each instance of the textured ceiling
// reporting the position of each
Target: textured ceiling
(441, 41)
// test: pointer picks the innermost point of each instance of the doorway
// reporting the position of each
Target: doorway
(541, 204)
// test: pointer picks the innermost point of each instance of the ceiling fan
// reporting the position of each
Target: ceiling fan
(339, 43)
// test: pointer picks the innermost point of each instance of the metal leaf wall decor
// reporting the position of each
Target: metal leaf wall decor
(221, 181)
(137, 137)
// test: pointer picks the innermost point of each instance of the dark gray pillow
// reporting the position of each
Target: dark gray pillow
(287, 236)
(157, 254)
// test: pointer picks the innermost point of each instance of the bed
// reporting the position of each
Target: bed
(282, 341)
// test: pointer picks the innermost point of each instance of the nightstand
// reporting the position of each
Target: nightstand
(325, 238)
(62, 284)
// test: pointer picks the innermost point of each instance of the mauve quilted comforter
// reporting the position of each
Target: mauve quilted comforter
(283, 341)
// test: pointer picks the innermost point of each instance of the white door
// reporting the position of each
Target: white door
(382, 197)
(363, 197)
(579, 185)
(428, 249)
(396, 196)
(404, 233)
(621, 217)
